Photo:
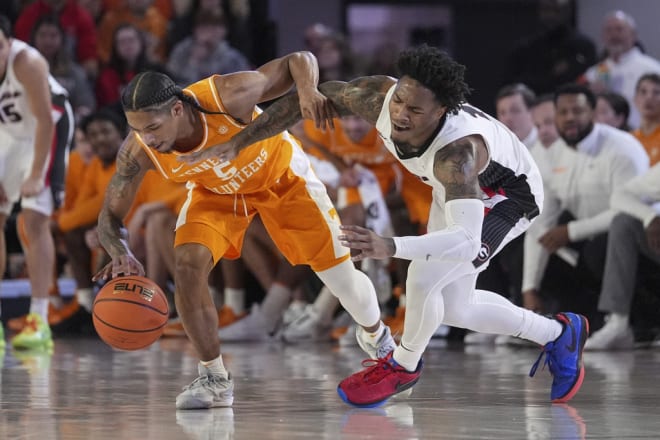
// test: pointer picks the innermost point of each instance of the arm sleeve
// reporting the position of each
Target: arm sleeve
(459, 241)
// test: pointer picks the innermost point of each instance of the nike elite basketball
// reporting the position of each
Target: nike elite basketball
(130, 312)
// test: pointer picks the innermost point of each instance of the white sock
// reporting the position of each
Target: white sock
(40, 307)
(326, 305)
(406, 358)
(276, 301)
(85, 298)
(235, 299)
(538, 328)
(215, 366)
(375, 336)
(618, 319)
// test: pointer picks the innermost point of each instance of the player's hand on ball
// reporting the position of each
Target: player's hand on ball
(124, 265)
(366, 242)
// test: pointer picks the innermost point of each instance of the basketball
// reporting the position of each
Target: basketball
(130, 312)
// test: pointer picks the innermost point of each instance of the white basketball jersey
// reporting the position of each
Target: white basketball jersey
(510, 173)
(16, 118)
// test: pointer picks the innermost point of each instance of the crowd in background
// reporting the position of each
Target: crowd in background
(591, 121)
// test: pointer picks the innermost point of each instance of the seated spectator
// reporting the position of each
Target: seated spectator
(236, 14)
(647, 102)
(612, 109)
(634, 233)
(335, 58)
(143, 15)
(206, 52)
(512, 105)
(48, 38)
(127, 59)
(76, 22)
(165, 7)
(599, 159)
(548, 144)
(625, 63)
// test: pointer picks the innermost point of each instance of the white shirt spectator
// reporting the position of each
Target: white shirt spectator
(622, 76)
(582, 182)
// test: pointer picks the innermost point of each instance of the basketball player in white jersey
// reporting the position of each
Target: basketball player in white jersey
(486, 191)
(36, 129)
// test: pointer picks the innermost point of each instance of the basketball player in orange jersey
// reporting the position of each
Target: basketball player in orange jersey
(272, 178)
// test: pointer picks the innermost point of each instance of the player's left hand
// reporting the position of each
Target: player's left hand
(316, 106)
(223, 152)
(32, 186)
(555, 238)
(366, 242)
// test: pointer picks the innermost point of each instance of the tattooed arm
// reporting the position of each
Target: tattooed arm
(132, 164)
(457, 167)
(362, 97)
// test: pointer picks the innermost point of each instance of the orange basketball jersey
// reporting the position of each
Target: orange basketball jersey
(255, 169)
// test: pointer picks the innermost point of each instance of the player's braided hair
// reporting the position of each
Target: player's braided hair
(154, 91)
(436, 71)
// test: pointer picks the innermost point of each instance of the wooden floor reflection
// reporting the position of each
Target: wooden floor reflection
(84, 390)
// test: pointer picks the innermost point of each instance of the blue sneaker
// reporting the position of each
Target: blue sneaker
(564, 357)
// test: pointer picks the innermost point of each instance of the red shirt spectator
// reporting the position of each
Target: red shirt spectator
(76, 21)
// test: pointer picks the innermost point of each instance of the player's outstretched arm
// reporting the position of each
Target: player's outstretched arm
(132, 164)
(363, 97)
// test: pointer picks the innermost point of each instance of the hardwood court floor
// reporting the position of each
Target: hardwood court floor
(84, 390)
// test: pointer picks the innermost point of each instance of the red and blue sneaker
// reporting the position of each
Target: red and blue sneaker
(381, 379)
(564, 357)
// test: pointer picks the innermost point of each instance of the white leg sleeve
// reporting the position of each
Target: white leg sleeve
(354, 291)
(487, 312)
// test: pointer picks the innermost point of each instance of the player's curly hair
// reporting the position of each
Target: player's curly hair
(152, 91)
(436, 71)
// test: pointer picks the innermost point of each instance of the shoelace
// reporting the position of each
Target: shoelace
(377, 369)
(204, 381)
(548, 360)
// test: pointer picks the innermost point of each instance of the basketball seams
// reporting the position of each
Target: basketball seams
(130, 301)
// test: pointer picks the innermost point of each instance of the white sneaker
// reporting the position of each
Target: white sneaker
(306, 327)
(375, 349)
(616, 334)
(207, 391)
(475, 338)
(251, 328)
(293, 312)
(205, 425)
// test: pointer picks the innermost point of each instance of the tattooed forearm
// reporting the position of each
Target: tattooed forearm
(455, 166)
(363, 96)
(127, 164)
(112, 233)
(281, 115)
(119, 196)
